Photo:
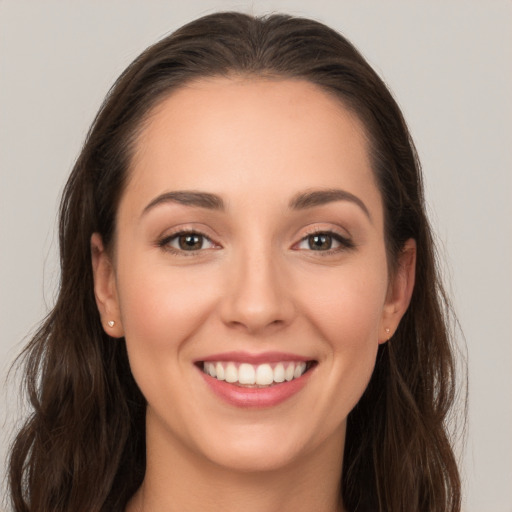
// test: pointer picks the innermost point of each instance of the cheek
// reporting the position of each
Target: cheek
(160, 308)
(347, 314)
(347, 306)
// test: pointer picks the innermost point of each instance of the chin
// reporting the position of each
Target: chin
(252, 457)
(263, 447)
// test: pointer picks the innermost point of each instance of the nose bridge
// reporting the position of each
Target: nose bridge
(256, 294)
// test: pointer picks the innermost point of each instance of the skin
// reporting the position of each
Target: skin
(256, 285)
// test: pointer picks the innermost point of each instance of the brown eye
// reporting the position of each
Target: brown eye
(187, 241)
(320, 242)
(190, 242)
(325, 241)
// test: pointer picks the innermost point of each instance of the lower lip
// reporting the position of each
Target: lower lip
(255, 397)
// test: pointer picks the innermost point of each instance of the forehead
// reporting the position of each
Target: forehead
(253, 102)
(280, 135)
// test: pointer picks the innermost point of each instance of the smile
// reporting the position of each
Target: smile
(255, 381)
(260, 375)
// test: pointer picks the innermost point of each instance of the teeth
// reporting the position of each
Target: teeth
(279, 374)
(231, 373)
(289, 372)
(299, 370)
(255, 375)
(264, 375)
(246, 374)
(221, 375)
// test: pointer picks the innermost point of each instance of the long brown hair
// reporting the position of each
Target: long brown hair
(83, 447)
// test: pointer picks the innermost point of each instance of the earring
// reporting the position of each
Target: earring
(111, 323)
(387, 330)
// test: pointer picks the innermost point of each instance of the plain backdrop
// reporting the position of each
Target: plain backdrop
(449, 64)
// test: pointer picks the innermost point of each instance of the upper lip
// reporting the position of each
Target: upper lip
(247, 357)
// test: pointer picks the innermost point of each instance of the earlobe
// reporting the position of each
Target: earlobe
(105, 289)
(400, 290)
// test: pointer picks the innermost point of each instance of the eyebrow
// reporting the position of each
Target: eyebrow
(188, 198)
(301, 201)
(312, 198)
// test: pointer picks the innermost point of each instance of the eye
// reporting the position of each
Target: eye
(317, 242)
(324, 241)
(187, 241)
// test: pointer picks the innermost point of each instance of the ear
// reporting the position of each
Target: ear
(399, 293)
(105, 289)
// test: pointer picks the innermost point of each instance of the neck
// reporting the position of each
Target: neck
(177, 479)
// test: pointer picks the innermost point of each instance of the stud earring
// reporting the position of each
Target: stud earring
(387, 330)
(111, 323)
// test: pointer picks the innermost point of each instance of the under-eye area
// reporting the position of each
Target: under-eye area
(256, 375)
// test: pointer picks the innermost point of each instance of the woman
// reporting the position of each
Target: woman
(250, 315)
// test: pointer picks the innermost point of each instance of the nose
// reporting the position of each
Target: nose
(257, 298)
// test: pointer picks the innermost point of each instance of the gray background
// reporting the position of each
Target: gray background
(448, 63)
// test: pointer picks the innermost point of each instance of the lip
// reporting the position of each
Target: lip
(247, 357)
(245, 397)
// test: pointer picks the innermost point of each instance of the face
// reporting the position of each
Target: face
(249, 275)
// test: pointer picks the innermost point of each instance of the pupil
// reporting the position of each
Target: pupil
(190, 242)
(320, 242)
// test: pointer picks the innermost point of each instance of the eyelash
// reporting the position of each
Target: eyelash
(344, 242)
